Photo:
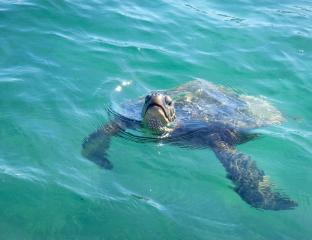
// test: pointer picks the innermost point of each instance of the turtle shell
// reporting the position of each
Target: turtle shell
(200, 100)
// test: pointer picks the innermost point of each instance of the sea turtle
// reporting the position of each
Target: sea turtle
(199, 114)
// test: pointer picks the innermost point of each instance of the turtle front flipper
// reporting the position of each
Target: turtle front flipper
(250, 182)
(95, 146)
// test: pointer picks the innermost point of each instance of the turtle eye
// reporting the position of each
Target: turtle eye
(147, 98)
(168, 100)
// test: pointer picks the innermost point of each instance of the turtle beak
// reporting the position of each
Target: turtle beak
(154, 111)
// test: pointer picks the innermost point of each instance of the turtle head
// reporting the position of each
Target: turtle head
(158, 111)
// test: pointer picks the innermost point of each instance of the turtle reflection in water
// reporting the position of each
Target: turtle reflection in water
(200, 114)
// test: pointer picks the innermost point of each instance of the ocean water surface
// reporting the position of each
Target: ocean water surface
(62, 62)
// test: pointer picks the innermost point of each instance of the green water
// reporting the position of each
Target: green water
(62, 61)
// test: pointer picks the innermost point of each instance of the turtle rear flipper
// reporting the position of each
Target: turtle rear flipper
(250, 182)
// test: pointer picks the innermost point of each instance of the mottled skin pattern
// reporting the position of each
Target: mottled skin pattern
(158, 111)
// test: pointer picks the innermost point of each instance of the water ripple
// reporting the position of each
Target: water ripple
(62, 62)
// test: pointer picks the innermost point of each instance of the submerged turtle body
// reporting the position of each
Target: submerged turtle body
(199, 114)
